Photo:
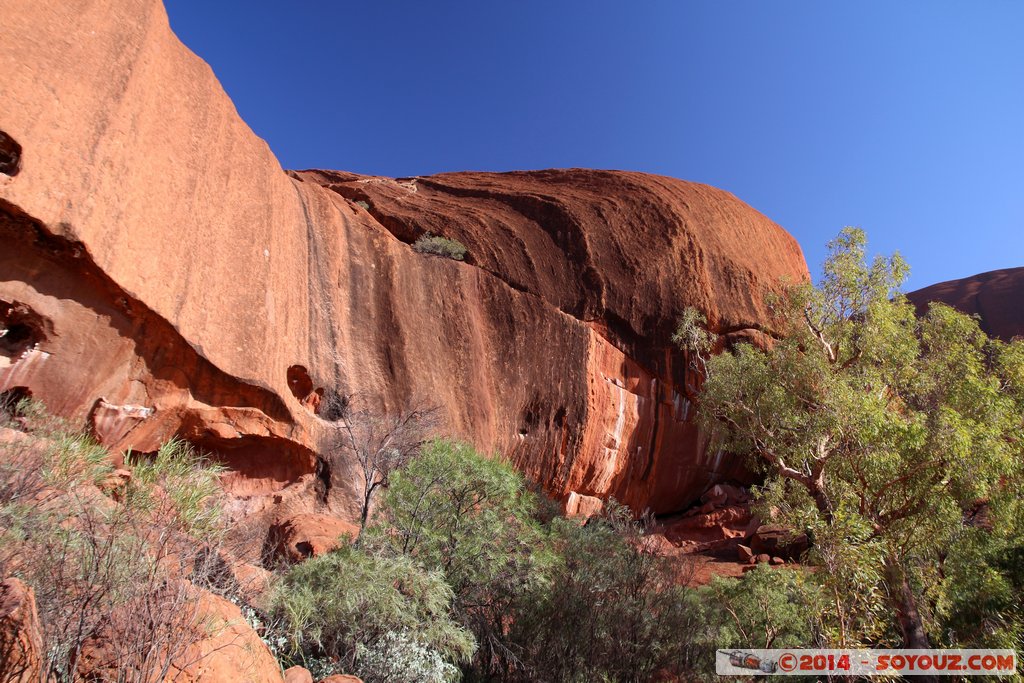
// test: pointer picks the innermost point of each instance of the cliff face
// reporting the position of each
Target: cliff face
(591, 400)
(162, 275)
(996, 297)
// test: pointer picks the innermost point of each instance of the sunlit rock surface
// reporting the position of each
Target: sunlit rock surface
(162, 275)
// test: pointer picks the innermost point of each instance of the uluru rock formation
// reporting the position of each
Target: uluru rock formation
(587, 394)
(996, 297)
(162, 275)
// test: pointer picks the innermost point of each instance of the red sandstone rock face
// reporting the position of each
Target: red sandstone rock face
(310, 535)
(997, 297)
(232, 651)
(21, 639)
(614, 257)
(164, 276)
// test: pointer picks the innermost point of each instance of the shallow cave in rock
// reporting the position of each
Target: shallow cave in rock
(257, 465)
(299, 382)
(10, 155)
(21, 328)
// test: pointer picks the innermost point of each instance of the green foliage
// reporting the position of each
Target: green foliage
(96, 548)
(456, 509)
(187, 483)
(609, 609)
(342, 604)
(15, 404)
(74, 458)
(983, 604)
(692, 335)
(767, 608)
(440, 246)
(472, 518)
(887, 426)
(461, 555)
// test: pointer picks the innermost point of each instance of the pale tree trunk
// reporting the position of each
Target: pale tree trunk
(904, 604)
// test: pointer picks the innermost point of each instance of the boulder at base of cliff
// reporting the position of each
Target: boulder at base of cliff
(577, 505)
(21, 640)
(309, 535)
(298, 674)
(226, 649)
(744, 554)
(232, 652)
(696, 530)
(657, 544)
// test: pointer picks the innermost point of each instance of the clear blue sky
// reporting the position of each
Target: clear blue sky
(905, 118)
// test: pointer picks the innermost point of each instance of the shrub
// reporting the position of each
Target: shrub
(97, 563)
(471, 517)
(610, 608)
(178, 484)
(984, 604)
(401, 657)
(440, 246)
(357, 607)
(767, 608)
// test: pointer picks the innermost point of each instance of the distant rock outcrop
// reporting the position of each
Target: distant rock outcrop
(163, 276)
(996, 297)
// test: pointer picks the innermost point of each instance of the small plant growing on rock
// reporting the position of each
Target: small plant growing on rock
(440, 246)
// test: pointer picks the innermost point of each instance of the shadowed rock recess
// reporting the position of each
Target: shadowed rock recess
(161, 275)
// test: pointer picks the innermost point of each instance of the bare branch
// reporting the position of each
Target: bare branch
(819, 335)
(379, 443)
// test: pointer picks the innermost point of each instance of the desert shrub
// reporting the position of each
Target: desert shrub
(983, 606)
(609, 609)
(766, 608)
(180, 486)
(401, 657)
(36, 470)
(440, 246)
(472, 518)
(359, 607)
(98, 562)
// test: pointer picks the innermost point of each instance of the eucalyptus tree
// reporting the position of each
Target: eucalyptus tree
(881, 432)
